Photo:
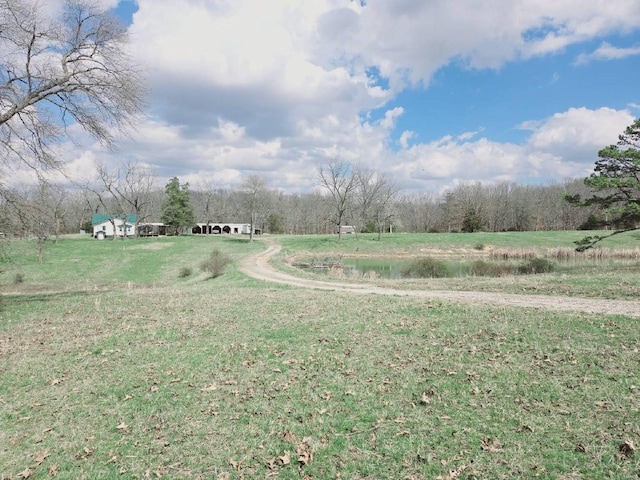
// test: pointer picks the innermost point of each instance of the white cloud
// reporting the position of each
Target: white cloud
(267, 66)
(411, 39)
(564, 145)
(278, 87)
(441, 163)
(577, 134)
(405, 137)
(606, 51)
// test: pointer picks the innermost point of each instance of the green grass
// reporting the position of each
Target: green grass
(81, 262)
(410, 242)
(157, 376)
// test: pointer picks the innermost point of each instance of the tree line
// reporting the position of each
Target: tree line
(74, 70)
(374, 206)
(346, 194)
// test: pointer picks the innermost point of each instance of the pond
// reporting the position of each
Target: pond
(358, 267)
(373, 267)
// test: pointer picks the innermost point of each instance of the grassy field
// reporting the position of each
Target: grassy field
(115, 365)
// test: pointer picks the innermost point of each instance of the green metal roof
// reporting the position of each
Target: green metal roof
(98, 218)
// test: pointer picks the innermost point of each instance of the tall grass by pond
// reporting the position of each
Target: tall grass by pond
(424, 267)
(498, 263)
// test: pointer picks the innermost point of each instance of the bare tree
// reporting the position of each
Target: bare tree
(35, 211)
(54, 72)
(124, 191)
(464, 207)
(341, 180)
(130, 186)
(254, 192)
(211, 203)
(375, 195)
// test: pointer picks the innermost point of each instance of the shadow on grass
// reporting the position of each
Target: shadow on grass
(237, 240)
(44, 297)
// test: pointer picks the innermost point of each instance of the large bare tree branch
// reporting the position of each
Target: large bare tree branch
(55, 72)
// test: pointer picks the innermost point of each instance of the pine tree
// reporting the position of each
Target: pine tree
(615, 183)
(177, 211)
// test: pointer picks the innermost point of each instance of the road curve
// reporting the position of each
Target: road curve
(258, 267)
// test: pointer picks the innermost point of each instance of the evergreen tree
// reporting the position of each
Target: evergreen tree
(177, 211)
(472, 221)
(615, 183)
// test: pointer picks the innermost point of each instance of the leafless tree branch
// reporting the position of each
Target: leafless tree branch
(55, 72)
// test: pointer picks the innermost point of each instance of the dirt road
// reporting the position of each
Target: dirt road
(257, 266)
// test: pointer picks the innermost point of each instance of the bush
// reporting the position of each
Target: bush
(481, 268)
(479, 246)
(18, 278)
(216, 264)
(425, 267)
(185, 272)
(537, 265)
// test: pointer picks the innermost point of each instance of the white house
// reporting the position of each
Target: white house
(103, 226)
(348, 229)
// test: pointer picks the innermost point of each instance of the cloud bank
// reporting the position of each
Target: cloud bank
(279, 87)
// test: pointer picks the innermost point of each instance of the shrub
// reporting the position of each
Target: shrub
(537, 265)
(481, 268)
(216, 264)
(18, 278)
(478, 246)
(185, 272)
(425, 267)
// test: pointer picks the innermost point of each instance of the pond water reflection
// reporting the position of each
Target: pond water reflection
(358, 267)
(378, 267)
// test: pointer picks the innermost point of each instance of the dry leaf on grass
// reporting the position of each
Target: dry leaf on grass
(627, 448)
(305, 455)
(327, 396)
(26, 473)
(285, 459)
(455, 473)
(490, 445)
(41, 457)
(426, 397)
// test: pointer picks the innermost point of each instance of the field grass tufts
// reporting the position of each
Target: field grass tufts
(134, 373)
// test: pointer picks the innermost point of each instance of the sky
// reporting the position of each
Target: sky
(434, 93)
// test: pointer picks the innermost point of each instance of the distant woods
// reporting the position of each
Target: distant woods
(466, 208)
